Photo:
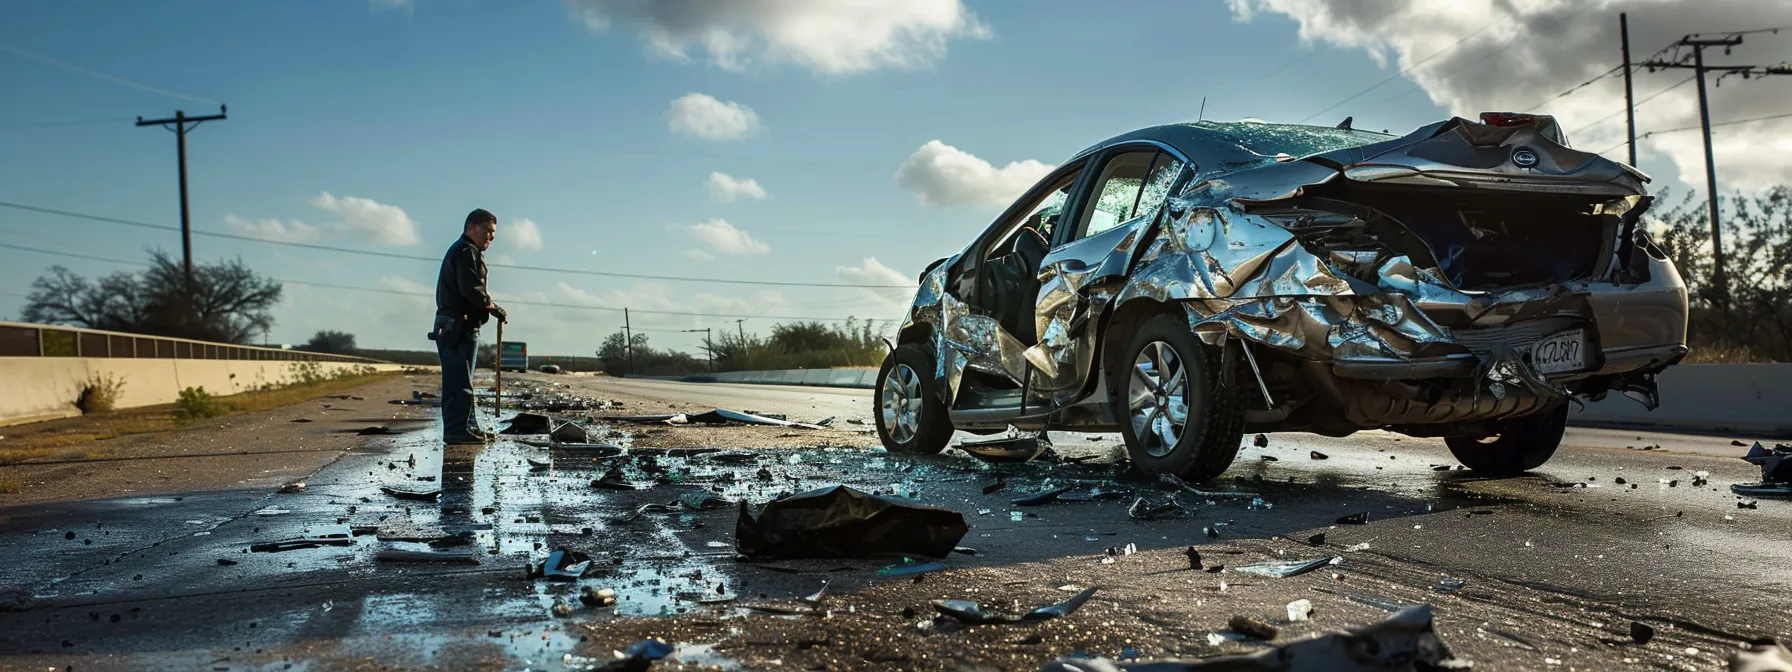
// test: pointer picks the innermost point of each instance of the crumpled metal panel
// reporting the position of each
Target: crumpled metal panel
(962, 340)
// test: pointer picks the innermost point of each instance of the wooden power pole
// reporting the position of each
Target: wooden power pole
(180, 123)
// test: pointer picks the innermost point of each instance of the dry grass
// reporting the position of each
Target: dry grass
(9, 481)
(1715, 354)
(57, 438)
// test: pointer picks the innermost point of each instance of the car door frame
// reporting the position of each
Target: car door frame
(967, 279)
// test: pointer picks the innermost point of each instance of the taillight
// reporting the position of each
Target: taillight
(1507, 119)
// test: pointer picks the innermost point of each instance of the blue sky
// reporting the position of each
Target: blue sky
(379, 125)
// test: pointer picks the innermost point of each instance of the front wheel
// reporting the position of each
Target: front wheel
(910, 416)
(1172, 411)
(1522, 445)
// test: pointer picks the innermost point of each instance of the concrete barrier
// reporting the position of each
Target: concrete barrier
(44, 368)
(45, 388)
(1742, 398)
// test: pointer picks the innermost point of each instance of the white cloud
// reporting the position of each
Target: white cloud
(376, 221)
(941, 174)
(702, 116)
(1535, 49)
(273, 229)
(835, 37)
(873, 272)
(727, 188)
(523, 233)
(399, 284)
(722, 237)
(699, 255)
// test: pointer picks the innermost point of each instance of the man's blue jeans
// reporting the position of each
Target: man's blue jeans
(457, 381)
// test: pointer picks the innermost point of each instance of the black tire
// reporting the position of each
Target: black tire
(932, 429)
(1214, 424)
(1522, 444)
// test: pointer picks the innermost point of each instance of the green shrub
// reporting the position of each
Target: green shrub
(194, 404)
(99, 395)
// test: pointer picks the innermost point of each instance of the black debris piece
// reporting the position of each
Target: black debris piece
(729, 456)
(1641, 632)
(840, 522)
(410, 492)
(1354, 519)
(376, 430)
(1738, 443)
(465, 557)
(1318, 455)
(1317, 539)
(569, 432)
(593, 596)
(997, 486)
(1070, 493)
(300, 420)
(527, 423)
(1043, 497)
(1261, 441)
(638, 657)
(226, 562)
(1407, 640)
(1268, 458)
(292, 488)
(1619, 480)
(971, 613)
(562, 565)
(1212, 533)
(296, 543)
(1450, 586)
(1252, 627)
(1006, 449)
(1144, 509)
(1751, 504)
(612, 480)
(1194, 557)
(1776, 472)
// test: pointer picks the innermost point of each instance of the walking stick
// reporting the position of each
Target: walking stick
(498, 374)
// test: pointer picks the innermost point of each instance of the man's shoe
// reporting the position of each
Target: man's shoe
(464, 440)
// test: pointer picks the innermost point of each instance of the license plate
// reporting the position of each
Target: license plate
(1561, 352)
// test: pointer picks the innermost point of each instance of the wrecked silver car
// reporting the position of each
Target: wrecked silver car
(1188, 283)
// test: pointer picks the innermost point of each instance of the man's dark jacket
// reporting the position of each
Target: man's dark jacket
(460, 287)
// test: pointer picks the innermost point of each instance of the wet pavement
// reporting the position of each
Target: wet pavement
(1553, 566)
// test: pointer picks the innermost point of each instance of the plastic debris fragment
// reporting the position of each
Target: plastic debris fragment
(1284, 569)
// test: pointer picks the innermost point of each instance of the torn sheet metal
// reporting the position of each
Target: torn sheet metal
(1407, 640)
(962, 339)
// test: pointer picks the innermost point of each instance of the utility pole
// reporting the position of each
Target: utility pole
(1699, 69)
(741, 331)
(1629, 96)
(628, 341)
(179, 124)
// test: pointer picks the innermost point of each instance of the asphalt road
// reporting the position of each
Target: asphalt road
(1553, 572)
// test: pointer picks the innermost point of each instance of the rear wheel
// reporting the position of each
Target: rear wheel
(910, 416)
(1522, 444)
(1172, 412)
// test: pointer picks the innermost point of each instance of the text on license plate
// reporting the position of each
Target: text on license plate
(1561, 352)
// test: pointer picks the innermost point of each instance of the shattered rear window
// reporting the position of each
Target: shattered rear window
(1297, 141)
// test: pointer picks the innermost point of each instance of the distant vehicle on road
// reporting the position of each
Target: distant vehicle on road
(1189, 283)
(550, 368)
(514, 357)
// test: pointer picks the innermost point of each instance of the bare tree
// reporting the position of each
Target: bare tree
(227, 301)
(1755, 320)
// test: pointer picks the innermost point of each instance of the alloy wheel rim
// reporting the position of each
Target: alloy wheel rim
(1157, 398)
(899, 403)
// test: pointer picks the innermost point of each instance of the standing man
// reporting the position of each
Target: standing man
(462, 306)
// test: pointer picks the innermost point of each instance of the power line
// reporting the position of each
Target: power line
(1408, 69)
(1695, 127)
(413, 257)
(398, 292)
(1576, 87)
(100, 75)
(1638, 104)
(46, 124)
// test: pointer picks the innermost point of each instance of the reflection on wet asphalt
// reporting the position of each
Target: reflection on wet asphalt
(151, 582)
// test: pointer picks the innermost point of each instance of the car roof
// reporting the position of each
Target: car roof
(1225, 146)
